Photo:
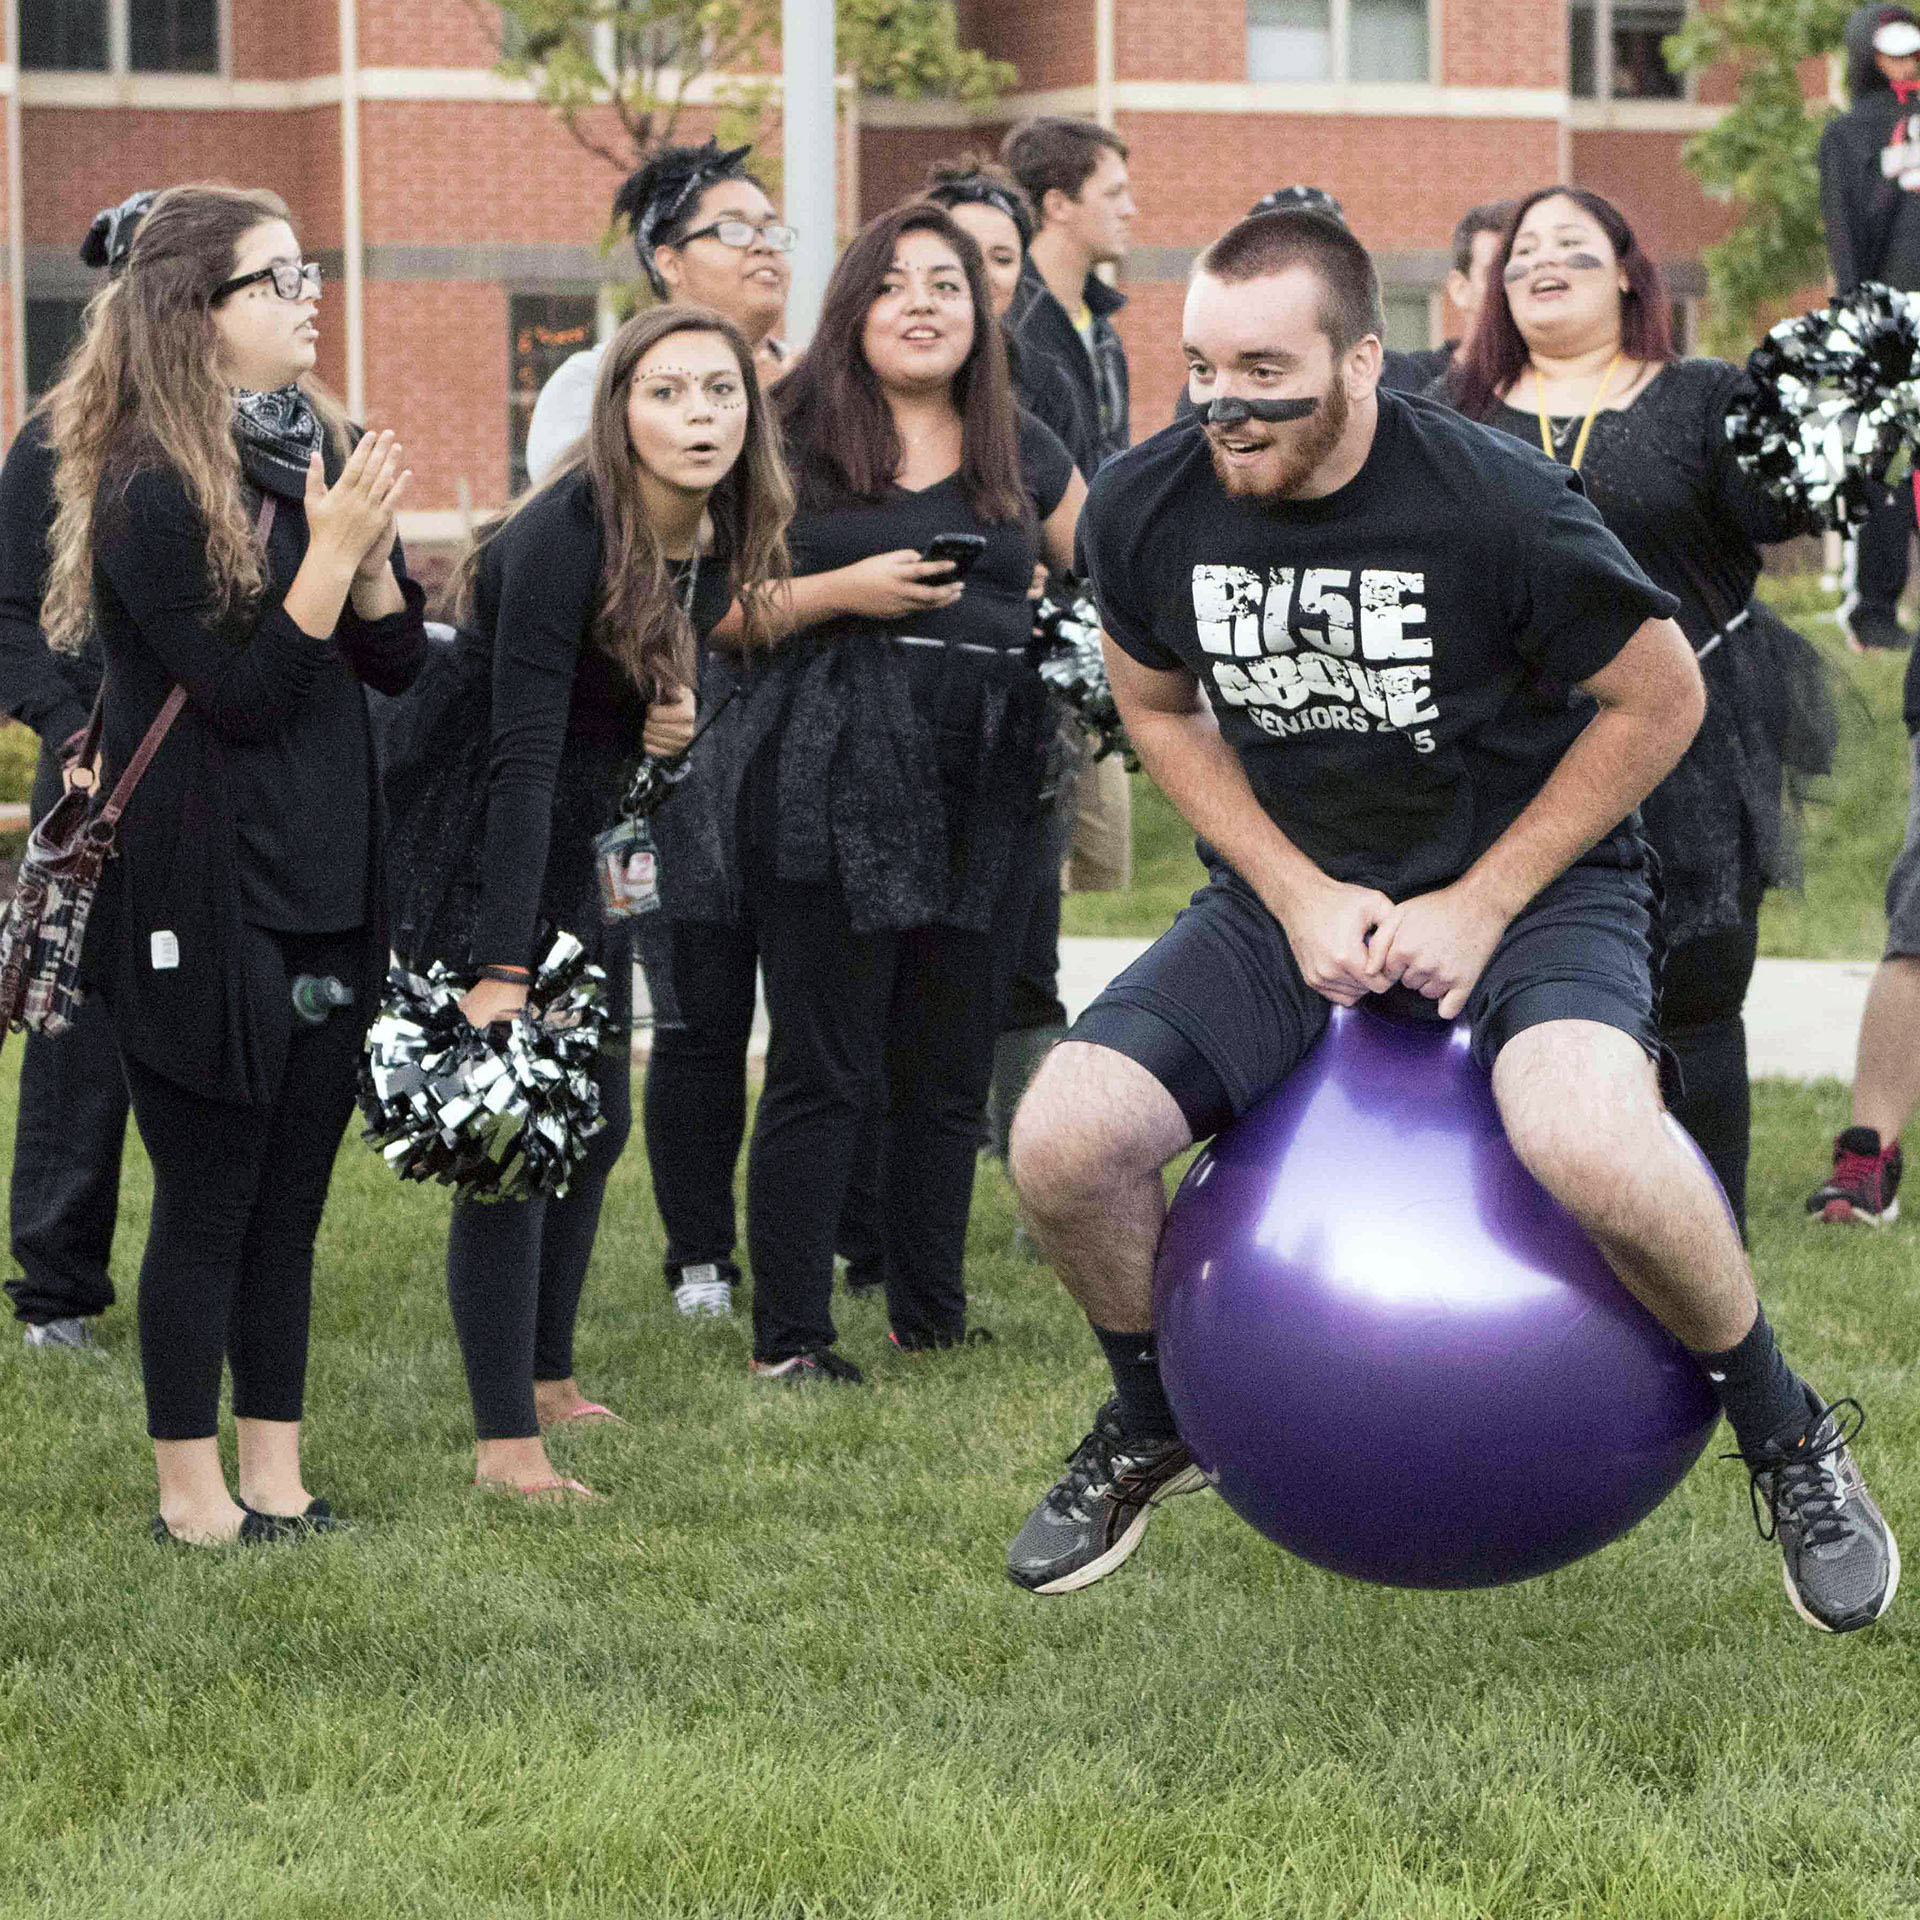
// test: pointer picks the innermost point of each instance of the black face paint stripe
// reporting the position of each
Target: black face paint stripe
(1232, 413)
(1569, 262)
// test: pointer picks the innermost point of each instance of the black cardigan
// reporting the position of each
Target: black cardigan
(215, 1023)
(512, 753)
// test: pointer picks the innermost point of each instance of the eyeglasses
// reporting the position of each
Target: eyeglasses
(742, 234)
(292, 280)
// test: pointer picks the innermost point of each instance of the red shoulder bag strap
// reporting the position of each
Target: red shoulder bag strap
(109, 815)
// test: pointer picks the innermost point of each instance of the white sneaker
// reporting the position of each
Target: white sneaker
(70, 1335)
(703, 1292)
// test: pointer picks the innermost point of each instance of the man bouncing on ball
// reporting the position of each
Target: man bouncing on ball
(1392, 613)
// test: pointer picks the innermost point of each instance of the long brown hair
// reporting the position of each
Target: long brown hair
(639, 619)
(840, 431)
(144, 386)
(1496, 356)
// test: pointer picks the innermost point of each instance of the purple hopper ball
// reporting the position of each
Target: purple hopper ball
(1392, 1351)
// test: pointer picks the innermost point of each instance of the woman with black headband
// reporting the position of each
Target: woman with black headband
(988, 203)
(707, 235)
(65, 1192)
(236, 550)
(1573, 354)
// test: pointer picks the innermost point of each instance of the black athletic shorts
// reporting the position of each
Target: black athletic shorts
(1216, 1009)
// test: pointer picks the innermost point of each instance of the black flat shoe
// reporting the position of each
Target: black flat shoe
(254, 1532)
(318, 1518)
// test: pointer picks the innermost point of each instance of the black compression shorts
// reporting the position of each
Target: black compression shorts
(1216, 1009)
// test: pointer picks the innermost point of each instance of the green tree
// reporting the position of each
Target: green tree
(640, 62)
(1762, 154)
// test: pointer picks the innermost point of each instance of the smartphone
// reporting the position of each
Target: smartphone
(962, 550)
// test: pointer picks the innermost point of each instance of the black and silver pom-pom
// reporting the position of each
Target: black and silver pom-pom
(1066, 643)
(1833, 400)
(502, 1112)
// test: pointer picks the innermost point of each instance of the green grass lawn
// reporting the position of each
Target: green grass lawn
(780, 1672)
(1853, 822)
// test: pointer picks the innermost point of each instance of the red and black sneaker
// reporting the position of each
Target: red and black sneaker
(1861, 1189)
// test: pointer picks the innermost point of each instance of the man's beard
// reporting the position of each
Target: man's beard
(1317, 437)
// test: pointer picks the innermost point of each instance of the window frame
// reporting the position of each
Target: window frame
(594, 299)
(1603, 93)
(120, 47)
(1340, 37)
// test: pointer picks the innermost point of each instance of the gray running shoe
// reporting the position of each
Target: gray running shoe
(73, 1335)
(1093, 1516)
(1840, 1561)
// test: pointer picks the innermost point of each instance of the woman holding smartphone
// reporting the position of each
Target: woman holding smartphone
(892, 763)
(581, 616)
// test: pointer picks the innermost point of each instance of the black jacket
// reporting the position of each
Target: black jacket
(51, 692)
(1870, 173)
(215, 1022)
(1083, 399)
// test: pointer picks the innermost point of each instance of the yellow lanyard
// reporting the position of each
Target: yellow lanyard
(1586, 428)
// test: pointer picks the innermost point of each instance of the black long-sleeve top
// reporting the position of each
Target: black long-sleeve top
(50, 692)
(1666, 483)
(258, 811)
(567, 717)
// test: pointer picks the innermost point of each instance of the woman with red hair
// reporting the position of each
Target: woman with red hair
(1575, 354)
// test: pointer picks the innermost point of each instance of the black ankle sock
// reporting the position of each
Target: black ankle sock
(1761, 1395)
(1135, 1360)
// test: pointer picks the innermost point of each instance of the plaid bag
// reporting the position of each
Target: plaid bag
(45, 923)
(44, 926)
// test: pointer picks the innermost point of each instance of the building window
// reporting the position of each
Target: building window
(69, 35)
(175, 36)
(1614, 49)
(53, 326)
(121, 36)
(542, 330)
(1306, 41)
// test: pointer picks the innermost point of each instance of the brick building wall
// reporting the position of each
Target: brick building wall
(473, 207)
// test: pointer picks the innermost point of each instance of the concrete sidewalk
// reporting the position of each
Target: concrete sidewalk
(1802, 1015)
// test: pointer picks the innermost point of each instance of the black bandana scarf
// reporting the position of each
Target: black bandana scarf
(279, 434)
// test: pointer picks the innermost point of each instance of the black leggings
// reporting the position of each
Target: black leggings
(237, 1196)
(694, 1110)
(895, 1024)
(1702, 988)
(515, 1268)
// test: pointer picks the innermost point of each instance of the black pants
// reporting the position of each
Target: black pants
(1702, 988)
(899, 1024)
(1880, 552)
(1033, 999)
(694, 1107)
(66, 1151)
(237, 1196)
(515, 1268)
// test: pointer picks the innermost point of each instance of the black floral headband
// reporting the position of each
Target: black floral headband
(662, 212)
(975, 189)
(110, 238)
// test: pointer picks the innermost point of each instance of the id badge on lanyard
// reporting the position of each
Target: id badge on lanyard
(628, 864)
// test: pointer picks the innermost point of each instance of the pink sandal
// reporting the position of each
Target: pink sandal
(558, 1487)
(591, 1414)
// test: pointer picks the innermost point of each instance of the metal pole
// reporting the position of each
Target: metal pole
(807, 116)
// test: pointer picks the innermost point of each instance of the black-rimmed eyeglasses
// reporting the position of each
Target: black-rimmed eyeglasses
(743, 233)
(292, 280)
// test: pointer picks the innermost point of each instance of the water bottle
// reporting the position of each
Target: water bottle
(315, 995)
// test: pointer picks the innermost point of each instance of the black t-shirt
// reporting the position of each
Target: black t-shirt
(994, 611)
(1393, 664)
